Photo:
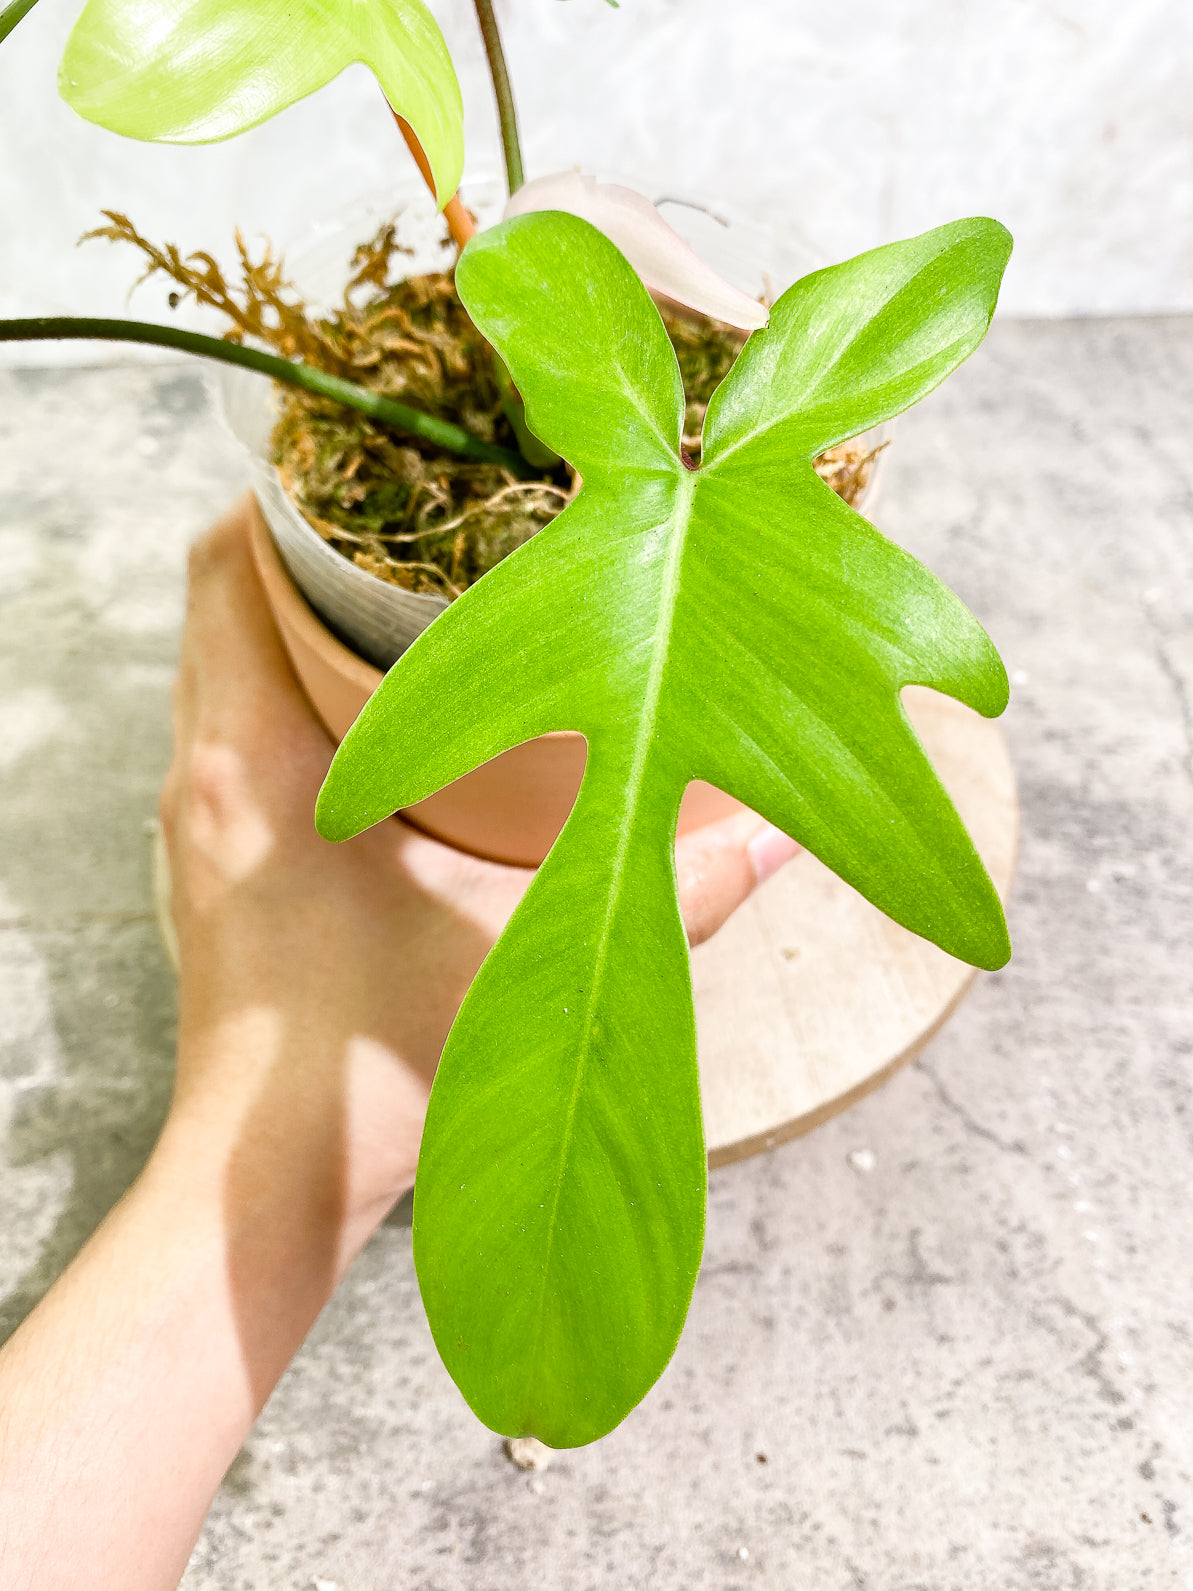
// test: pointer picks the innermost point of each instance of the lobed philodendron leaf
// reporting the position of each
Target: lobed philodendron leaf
(737, 623)
(194, 71)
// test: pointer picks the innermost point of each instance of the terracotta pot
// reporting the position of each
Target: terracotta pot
(509, 809)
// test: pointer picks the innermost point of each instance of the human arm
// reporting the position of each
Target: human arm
(317, 986)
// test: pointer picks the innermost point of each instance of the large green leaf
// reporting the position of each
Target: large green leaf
(738, 624)
(193, 71)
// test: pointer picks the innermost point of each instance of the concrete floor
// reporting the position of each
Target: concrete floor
(959, 1361)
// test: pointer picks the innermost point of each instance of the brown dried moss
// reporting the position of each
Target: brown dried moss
(394, 505)
(398, 507)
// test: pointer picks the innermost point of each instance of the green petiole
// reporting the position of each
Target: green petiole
(503, 93)
(441, 433)
(12, 14)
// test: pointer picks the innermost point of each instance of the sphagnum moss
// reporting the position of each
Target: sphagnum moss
(412, 515)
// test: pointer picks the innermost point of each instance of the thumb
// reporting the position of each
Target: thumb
(719, 866)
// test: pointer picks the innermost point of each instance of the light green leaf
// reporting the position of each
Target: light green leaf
(738, 624)
(194, 71)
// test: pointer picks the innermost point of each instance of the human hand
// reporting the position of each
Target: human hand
(317, 981)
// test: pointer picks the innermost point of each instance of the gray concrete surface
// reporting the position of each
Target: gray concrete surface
(943, 1344)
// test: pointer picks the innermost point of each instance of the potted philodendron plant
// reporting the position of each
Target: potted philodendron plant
(712, 612)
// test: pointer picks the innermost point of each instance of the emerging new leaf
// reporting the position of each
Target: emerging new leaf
(737, 623)
(194, 71)
(656, 251)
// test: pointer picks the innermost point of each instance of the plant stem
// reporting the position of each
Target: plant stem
(442, 433)
(503, 93)
(462, 227)
(459, 223)
(12, 14)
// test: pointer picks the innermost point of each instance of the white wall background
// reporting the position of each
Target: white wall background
(1069, 120)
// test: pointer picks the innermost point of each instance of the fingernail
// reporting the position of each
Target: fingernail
(768, 850)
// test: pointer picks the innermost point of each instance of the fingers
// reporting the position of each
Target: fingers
(243, 727)
(718, 867)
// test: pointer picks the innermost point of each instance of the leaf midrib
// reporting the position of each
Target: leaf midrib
(681, 519)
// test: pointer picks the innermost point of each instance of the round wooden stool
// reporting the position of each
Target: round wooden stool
(809, 997)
